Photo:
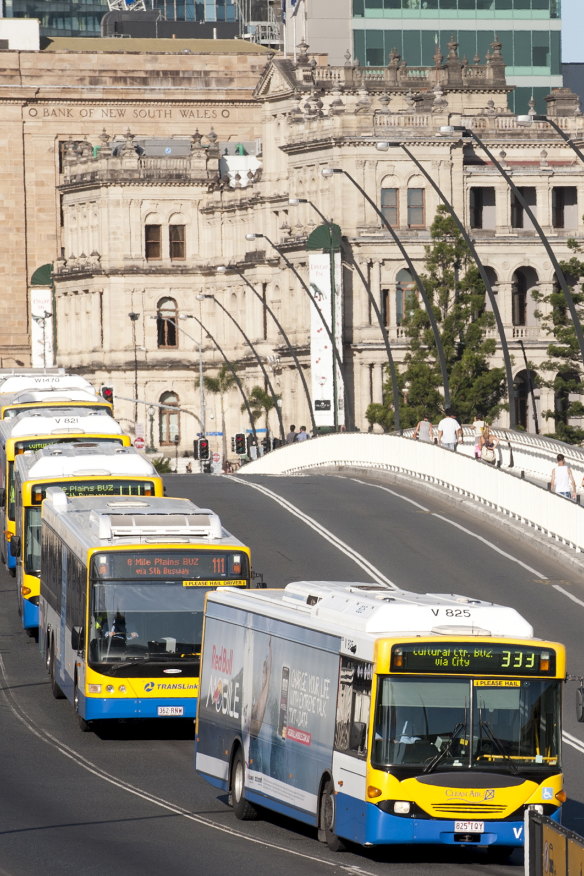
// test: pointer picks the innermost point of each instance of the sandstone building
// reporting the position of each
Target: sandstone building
(148, 202)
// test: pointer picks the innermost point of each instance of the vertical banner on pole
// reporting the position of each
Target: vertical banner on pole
(41, 327)
(324, 271)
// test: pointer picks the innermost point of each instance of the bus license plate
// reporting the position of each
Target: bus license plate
(469, 826)
(170, 711)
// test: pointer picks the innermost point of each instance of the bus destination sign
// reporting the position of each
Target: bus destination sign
(468, 658)
(179, 565)
(23, 444)
(95, 487)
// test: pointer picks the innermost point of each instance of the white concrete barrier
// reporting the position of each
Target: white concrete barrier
(527, 502)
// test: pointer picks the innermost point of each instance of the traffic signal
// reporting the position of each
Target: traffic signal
(196, 448)
(108, 393)
(240, 445)
(233, 443)
(203, 448)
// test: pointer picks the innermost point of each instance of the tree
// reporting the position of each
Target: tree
(564, 365)
(221, 385)
(456, 291)
(261, 402)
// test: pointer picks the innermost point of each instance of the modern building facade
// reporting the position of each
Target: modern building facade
(65, 18)
(368, 31)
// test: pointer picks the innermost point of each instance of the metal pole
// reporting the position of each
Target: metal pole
(375, 306)
(391, 364)
(522, 120)
(235, 375)
(420, 286)
(296, 273)
(552, 257)
(484, 278)
(334, 327)
(134, 316)
(259, 361)
(530, 387)
(284, 335)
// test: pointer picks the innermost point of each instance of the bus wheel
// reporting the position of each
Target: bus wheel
(326, 819)
(83, 724)
(55, 689)
(243, 810)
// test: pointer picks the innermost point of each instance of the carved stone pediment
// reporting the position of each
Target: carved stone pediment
(277, 80)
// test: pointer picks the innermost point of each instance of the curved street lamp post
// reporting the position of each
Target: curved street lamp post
(257, 357)
(469, 133)
(223, 269)
(384, 333)
(227, 362)
(382, 147)
(288, 263)
(329, 171)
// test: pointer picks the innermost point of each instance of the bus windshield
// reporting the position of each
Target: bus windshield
(457, 723)
(155, 612)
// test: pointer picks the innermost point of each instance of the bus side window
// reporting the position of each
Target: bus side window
(353, 706)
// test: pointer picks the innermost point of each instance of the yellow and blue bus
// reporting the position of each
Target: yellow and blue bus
(31, 432)
(82, 469)
(123, 582)
(381, 716)
(36, 401)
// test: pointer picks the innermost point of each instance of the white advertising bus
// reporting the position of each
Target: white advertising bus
(380, 716)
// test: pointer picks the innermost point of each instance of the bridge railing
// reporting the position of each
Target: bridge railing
(530, 503)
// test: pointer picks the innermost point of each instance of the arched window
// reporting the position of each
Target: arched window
(523, 281)
(405, 295)
(166, 323)
(169, 420)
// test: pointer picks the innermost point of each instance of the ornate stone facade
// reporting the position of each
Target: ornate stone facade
(70, 91)
(122, 250)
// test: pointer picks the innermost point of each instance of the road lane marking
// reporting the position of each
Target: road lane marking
(568, 594)
(117, 782)
(346, 549)
(573, 741)
(464, 529)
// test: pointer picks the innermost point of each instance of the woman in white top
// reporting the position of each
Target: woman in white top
(478, 425)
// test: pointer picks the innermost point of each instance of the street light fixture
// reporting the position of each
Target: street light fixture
(526, 121)
(329, 172)
(335, 352)
(469, 133)
(384, 146)
(223, 269)
(255, 353)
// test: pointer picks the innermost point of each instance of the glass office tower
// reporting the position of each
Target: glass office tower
(529, 31)
(83, 17)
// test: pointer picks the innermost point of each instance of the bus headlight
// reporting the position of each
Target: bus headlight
(402, 807)
(122, 688)
(109, 688)
(94, 688)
